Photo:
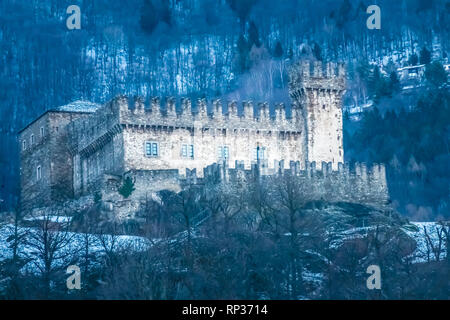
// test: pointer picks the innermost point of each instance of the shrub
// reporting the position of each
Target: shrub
(127, 187)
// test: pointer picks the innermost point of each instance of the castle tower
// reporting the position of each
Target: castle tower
(317, 93)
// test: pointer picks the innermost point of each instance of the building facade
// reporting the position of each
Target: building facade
(131, 134)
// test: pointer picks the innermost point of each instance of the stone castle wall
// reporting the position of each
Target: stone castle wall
(50, 137)
(355, 184)
(112, 140)
(93, 152)
(282, 137)
(318, 90)
(97, 148)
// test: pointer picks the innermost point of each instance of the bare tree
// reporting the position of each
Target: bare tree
(48, 245)
(434, 246)
(291, 196)
(10, 268)
(446, 233)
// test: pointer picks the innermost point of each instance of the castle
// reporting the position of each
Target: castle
(71, 151)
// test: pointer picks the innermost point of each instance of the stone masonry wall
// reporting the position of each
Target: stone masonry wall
(50, 152)
(112, 140)
(282, 138)
(97, 148)
(318, 90)
(356, 184)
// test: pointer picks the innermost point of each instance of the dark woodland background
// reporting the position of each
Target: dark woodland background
(240, 49)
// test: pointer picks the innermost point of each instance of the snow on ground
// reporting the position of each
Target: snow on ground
(316, 278)
(423, 251)
(350, 234)
(74, 246)
(101, 244)
(56, 219)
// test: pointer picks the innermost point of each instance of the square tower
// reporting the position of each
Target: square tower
(45, 159)
(317, 91)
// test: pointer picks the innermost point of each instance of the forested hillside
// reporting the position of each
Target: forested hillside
(234, 49)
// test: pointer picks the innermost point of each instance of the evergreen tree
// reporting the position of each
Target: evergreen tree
(363, 70)
(436, 74)
(394, 82)
(344, 14)
(374, 81)
(164, 12)
(243, 51)
(149, 17)
(425, 56)
(413, 59)
(379, 86)
(241, 7)
(278, 52)
(152, 12)
(253, 35)
(317, 51)
(290, 53)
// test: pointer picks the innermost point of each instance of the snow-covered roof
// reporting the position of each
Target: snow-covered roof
(419, 66)
(76, 106)
(79, 106)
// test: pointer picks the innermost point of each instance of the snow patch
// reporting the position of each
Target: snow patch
(424, 252)
(79, 106)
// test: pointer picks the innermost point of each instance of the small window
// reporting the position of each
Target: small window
(32, 139)
(56, 129)
(223, 152)
(24, 145)
(42, 132)
(38, 173)
(187, 151)
(259, 153)
(151, 149)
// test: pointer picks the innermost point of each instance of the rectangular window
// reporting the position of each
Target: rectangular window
(24, 145)
(187, 151)
(223, 152)
(38, 173)
(259, 153)
(151, 149)
(32, 139)
(42, 132)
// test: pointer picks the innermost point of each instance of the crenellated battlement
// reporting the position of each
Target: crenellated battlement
(307, 76)
(365, 173)
(184, 112)
(356, 183)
